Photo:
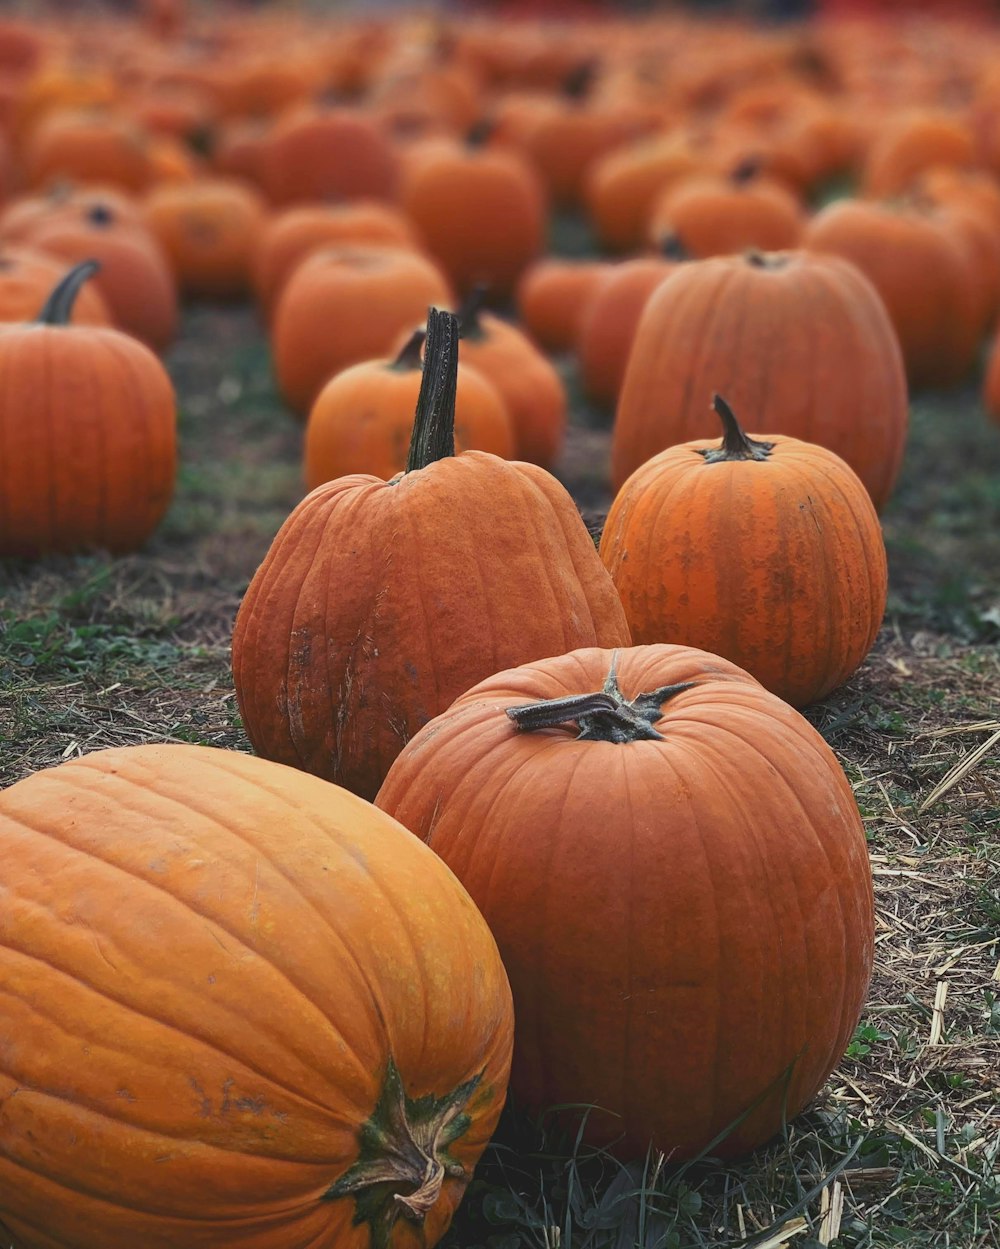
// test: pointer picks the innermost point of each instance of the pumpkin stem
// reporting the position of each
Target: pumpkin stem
(403, 1156)
(607, 716)
(469, 325)
(100, 215)
(433, 435)
(409, 355)
(671, 247)
(746, 170)
(59, 306)
(480, 134)
(579, 82)
(736, 445)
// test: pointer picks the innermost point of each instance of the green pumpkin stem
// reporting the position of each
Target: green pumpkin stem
(410, 353)
(404, 1156)
(671, 247)
(59, 306)
(746, 170)
(736, 445)
(604, 716)
(100, 215)
(433, 435)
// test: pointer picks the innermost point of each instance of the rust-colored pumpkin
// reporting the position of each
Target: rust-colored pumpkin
(292, 235)
(88, 148)
(362, 419)
(673, 865)
(78, 474)
(337, 651)
(209, 229)
(765, 550)
(799, 343)
(327, 154)
(344, 305)
(214, 965)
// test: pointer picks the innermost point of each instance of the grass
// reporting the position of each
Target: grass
(902, 1146)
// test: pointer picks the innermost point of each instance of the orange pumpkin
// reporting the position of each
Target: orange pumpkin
(673, 865)
(292, 235)
(610, 320)
(911, 143)
(715, 216)
(88, 148)
(76, 475)
(552, 297)
(363, 417)
(766, 552)
(344, 305)
(135, 277)
(209, 229)
(26, 281)
(337, 658)
(480, 210)
(799, 343)
(923, 273)
(213, 964)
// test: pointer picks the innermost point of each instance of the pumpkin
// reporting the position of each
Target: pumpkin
(338, 654)
(64, 202)
(363, 417)
(295, 233)
(799, 343)
(88, 148)
(343, 305)
(990, 391)
(622, 187)
(214, 965)
(26, 281)
(714, 216)
(327, 154)
(911, 143)
(552, 297)
(78, 474)
(768, 553)
(611, 318)
(922, 270)
(673, 865)
(480, 210)
(526, 380)
(209, 230)
(135, 278)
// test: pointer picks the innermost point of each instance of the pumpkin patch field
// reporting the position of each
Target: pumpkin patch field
(499, 627)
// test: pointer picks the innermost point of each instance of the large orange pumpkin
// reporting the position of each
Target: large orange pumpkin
(340, 651)
(673, 865)
(799, 344)
(327, 153)
(27, 277)
(768, 553)
(214, 966)
(77, 474)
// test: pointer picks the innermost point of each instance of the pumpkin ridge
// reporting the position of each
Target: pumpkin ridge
(166, 1023)
(170, 1027)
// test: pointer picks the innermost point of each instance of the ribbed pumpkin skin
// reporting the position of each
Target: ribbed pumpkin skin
(75, 473)
(207, 961)
(379, 603)
(777, 565)
(681, 920)
(799, 344)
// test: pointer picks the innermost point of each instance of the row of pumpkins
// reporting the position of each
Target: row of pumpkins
(241, 1005)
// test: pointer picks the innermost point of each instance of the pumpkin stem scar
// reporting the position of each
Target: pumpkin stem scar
(59, 306)
(403, 1158)
(433, 435)
(606, 716)
(736, 445)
